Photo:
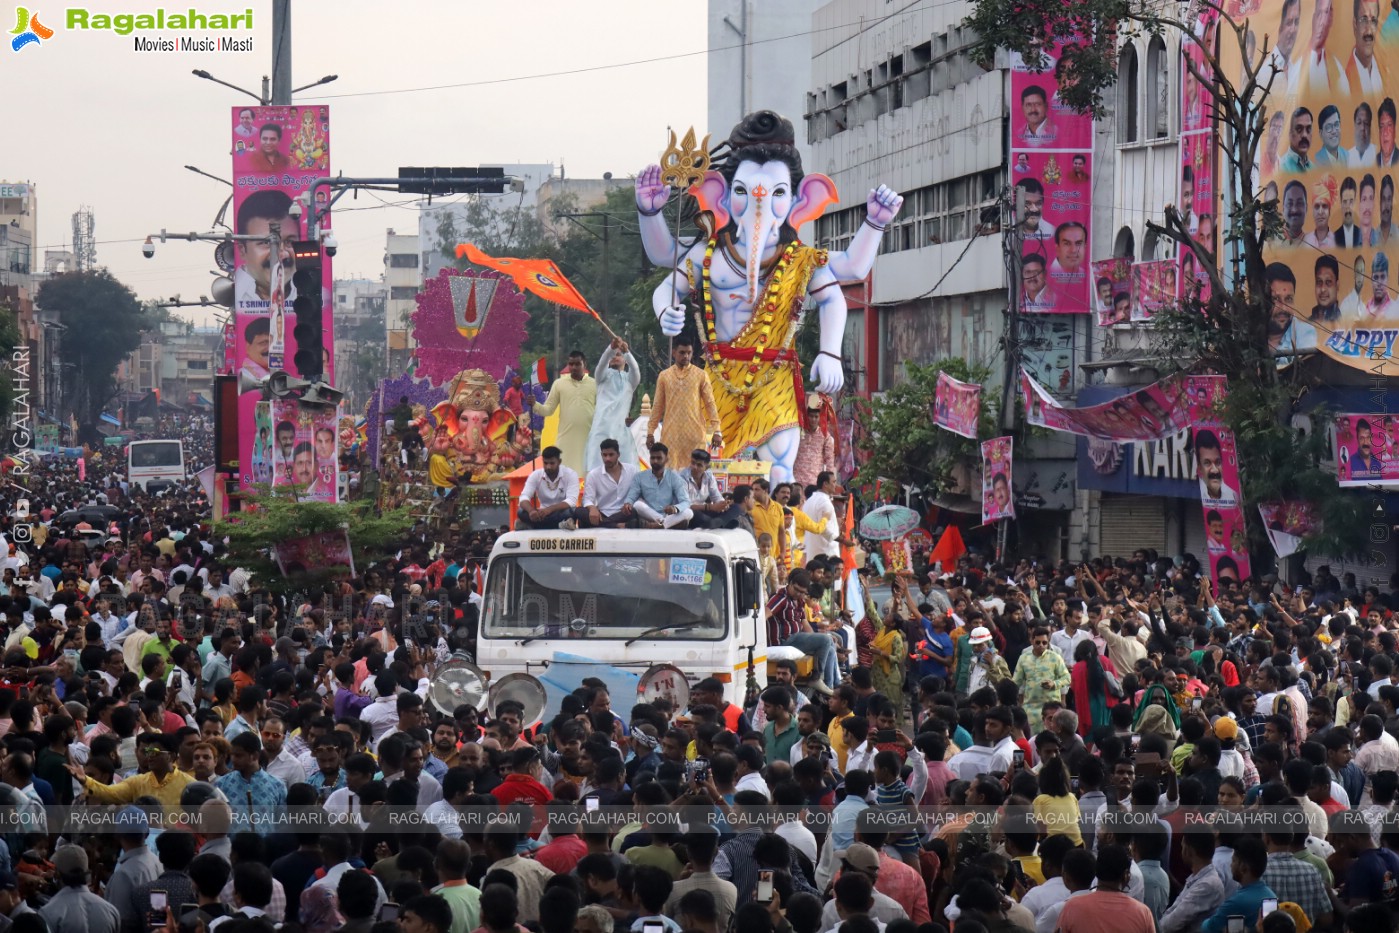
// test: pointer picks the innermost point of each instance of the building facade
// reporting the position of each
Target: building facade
(403, 277)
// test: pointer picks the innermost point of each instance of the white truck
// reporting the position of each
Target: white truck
(661, 606)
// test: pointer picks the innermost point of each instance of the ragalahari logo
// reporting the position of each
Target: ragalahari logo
(28, 30)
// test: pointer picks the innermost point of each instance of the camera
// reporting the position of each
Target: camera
(148, 248)
(331, 244)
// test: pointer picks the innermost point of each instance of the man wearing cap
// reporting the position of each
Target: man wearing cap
(817, 452)
(705, 499)
(988, 668)
(864, 860)
(74, 907)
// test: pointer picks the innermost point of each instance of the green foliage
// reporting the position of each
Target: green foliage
(905, 446)
(271, 516)
(104, 322)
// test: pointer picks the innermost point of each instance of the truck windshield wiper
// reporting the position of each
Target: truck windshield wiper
(538, 634)
(683, 627)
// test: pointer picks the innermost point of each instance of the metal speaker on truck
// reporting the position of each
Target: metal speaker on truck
(664, 680)
(457, 683)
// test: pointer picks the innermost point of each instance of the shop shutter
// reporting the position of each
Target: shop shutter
(1132, 522)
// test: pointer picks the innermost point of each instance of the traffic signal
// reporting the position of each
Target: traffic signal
(309, 306)
(452, 180)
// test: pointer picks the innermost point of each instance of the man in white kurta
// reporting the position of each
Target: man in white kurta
(819, 505)
(574, 396)
(617, 379)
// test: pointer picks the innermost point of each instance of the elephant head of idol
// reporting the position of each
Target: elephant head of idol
(759, 197)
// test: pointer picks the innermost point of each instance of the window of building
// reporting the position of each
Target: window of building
(403, 292)
(403, 260)
(196, 364)
(940, 213)
(1159, 100)
(1127, 129)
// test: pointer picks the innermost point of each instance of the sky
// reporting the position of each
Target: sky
(110, 128)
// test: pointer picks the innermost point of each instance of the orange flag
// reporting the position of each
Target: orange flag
(537, 276)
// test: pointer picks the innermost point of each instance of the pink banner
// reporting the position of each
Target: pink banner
(1156, 411)
(1153, 288)
(957, 405)
(1287, 523)
(304, 450)
(1367, 450)
(1112, 291)
(1221, 500)
(1052, 167)
(328, 550)
(997, 468)
(278, 153)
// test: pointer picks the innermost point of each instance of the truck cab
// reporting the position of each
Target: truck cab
(647, 607)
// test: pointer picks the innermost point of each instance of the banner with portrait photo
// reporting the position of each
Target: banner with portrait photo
(1112, 291)
(1221, 499)
(1288, 523)
(328, 550)
(957, 405)
(1367, 450)
(1150, 413)
(1052, 169)
(1153, 288)
(1329, 156)
(304, 450)
(278, 154)
(997, 469)
(1198, 199)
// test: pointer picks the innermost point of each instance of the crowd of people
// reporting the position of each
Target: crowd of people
(998, 747)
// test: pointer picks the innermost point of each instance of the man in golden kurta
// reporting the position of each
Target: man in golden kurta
(684, 405)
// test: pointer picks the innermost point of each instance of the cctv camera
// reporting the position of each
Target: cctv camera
(148, 248)
(330, 244)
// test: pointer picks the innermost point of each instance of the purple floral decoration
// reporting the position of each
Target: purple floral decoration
(384, 400)
(442, 348)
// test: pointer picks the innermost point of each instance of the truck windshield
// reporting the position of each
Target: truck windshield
(156, 454)
(616, 596)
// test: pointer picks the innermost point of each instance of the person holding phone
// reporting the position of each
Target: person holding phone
(1249, 863)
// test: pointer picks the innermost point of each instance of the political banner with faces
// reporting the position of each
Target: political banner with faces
(1287, 523)
(1153, 288)
(1147, 414)
(1198, 202)
(1112, 291)
(997, 469)
(1052, 169)
(957, 405)
(304, 453)
(1329, 157)
(1367, 450)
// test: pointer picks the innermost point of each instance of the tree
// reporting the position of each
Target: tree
(903, 444)
(104, 321)
(1227, 332)
(272, 516)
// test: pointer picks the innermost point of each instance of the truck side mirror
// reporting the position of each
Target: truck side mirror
(746, 586)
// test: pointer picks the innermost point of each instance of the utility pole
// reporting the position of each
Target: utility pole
(281, 52)
(1013, 246)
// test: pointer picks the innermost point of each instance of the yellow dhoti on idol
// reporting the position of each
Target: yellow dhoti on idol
(756, 377)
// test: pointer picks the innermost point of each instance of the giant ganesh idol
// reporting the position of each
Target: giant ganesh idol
(751, 275)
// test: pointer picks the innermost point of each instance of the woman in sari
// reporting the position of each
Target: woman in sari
(1092, 700)
(889, 651)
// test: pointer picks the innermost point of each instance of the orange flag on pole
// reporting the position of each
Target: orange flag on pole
(536, 276)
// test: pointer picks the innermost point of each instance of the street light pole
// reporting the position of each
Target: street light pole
(281, 52)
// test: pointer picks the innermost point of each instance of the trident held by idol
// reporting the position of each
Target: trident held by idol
(682, 167)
